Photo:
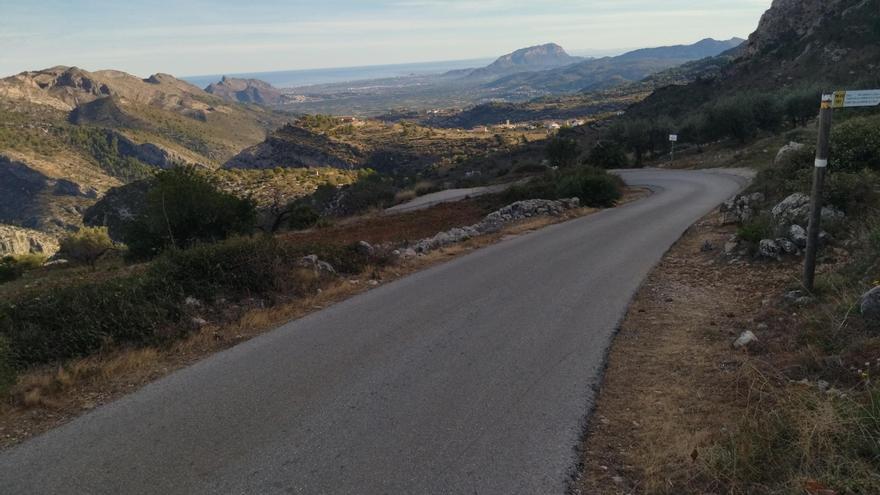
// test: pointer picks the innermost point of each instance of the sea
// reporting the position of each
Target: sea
(311, 77)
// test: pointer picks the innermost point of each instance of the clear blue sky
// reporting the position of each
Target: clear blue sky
(193, 37)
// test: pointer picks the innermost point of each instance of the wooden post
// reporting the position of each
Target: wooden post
(822, 152)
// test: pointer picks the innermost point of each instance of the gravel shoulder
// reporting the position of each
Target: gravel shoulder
(671, 383)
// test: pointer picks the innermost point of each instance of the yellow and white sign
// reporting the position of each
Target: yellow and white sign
(848, 99)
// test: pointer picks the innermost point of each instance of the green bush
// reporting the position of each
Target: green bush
(855, 145)
(562, 152)
(79, 320)
(302, 217)
(852, 192)
(184, 207)
(86, 245)
(607, 154)
(240, 265)
(594, 187)
(754, 231)
(9, 269)
(148, 308)
(13, 267)
(7, 366)
(371, 190)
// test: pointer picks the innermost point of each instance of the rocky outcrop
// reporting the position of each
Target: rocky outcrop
(741, 208)
(790, 20)
(787, 151)
(246, 91)
(496, 220)
(295, 147)
(795, 210)
(18, 241)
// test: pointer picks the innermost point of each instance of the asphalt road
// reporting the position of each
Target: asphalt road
(472, 377)
(445, 196)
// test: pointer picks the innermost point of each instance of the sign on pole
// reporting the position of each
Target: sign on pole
(838, 99)
(849, 99)
(673, 137)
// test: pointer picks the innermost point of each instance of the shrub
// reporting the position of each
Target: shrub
(237, 266)
(86, 246)
(856, 145)
(12, 267)
(7, 367)
(184, 207)
(78, 320)
(757, 229)
(148, 308)
(562, 152)
(595, 187)
(302, 217)
(9, 269)
(852, 192)
(607, 154)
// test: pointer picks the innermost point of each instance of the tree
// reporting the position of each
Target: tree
(802, 105)
(562, 152)
(86, 246)
(608, 154)
(184, 206)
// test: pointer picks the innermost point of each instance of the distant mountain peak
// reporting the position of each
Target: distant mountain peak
(246, 91)
(538, 56)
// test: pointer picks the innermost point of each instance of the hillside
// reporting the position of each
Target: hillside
(68, 135)
(798, 44)
(246, 91)
(394, 148)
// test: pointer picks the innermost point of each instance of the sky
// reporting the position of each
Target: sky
(195, 37)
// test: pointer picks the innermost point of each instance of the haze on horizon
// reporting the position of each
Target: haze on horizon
(195, 37)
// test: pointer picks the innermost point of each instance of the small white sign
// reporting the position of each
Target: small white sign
(673, 137)
(847, 99)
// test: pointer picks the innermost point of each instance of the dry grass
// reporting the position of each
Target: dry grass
(671, 383)
(681, 411)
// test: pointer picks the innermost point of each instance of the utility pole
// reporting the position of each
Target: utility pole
(822, 151)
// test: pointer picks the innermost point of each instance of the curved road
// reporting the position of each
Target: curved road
(472, 377)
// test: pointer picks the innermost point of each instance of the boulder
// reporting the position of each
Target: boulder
(319, 267)
(795, 210)
(798, 235)
(786, 151)
(787, 246)
(768, 248)
(870, 306)
(741, 208)
(745, 339)
(365, 248)
(17, 241)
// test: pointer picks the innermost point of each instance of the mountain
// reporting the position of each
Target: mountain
(798, 44)
(702, 49)
(246, 91)
(606, 72)
(533, 58)
(68, 135)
